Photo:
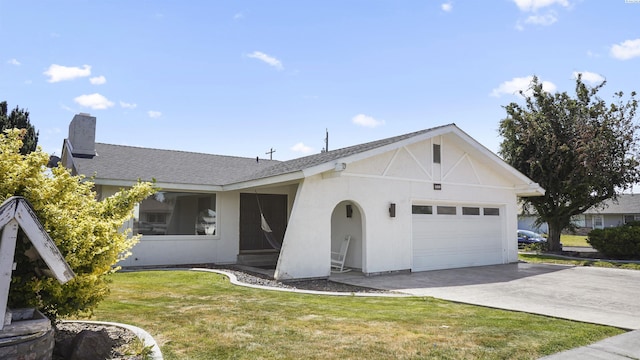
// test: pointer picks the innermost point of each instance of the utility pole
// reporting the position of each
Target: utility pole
(270, 153)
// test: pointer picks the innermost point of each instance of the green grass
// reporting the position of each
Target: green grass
(198, 315)
(550, 259)
(573, 240)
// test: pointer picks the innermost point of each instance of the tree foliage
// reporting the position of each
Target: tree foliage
(580, 149)
(85, 230)
(19, 119)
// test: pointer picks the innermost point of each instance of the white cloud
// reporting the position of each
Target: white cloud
(513, 87)
(302, 148)
(626, 50)
(366, 121)
(154, 114)
(270, 60)
(589, 77)
(544, 20)
(128, 105)
(238, 16)
(13, 62)
(98, 80)
(94, 101)
(534, 5)
(447, 7)
(58, 73)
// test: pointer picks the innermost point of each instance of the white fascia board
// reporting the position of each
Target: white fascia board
(278, 179)
(528, 191)
(159, 185)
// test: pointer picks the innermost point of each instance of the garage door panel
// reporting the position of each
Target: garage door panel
(448, 241)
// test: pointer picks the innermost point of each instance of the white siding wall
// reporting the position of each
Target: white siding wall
(186, 249)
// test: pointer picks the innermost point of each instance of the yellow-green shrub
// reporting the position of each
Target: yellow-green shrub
(86, 231)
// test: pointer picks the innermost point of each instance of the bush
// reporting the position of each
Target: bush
(85, 230)
(621, 242)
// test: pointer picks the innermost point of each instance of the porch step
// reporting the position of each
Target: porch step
(264, 259)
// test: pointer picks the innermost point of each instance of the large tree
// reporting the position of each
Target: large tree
(19, 119)
(580, 149)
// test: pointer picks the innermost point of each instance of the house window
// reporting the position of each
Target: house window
(446, 210)
(436, 153)
(470, 210)
(598, 222)
(176, 213)
(579, 220)
(491, 211)
(630, 218)
(422, 209)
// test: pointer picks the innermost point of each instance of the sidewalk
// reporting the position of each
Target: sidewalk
(625, 346)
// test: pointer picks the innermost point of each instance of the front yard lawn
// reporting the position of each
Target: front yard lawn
(551, 259)
(573, 240)
(198, 315)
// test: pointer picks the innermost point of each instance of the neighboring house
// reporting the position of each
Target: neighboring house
(609, 214)
(432, 199)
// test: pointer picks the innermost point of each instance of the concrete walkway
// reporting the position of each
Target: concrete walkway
(625, 346)
(588, 294)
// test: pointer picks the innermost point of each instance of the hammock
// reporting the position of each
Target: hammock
(266, 229)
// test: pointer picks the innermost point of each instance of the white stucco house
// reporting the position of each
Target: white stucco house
(431, 199)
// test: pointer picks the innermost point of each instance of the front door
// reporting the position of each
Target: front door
(274, 208)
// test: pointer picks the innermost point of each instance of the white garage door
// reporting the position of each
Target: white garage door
(451, 236)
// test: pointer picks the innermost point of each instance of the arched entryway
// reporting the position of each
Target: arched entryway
(347, 219)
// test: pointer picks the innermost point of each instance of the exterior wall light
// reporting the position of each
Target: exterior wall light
(340, 167)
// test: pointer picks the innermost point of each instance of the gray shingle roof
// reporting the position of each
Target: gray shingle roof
(626, 204)
(117, 162)
(306, 162)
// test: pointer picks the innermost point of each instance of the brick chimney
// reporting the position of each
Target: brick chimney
(82, 135)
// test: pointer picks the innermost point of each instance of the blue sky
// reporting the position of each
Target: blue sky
(241, 77)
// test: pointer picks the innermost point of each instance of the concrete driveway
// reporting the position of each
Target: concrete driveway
(588, 294)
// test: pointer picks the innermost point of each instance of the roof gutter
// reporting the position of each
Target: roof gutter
(293, 176)
(159, 185)
(530, 191)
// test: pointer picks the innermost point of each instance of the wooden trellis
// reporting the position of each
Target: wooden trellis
(16, 212)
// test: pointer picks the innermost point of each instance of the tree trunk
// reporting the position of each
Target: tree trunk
(553, 241)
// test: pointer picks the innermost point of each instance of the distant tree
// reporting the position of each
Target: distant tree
(19, 118)
(580, 149)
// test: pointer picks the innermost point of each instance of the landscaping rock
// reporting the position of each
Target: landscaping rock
(66, 333)
(91, 345)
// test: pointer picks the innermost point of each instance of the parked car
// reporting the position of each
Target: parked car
(526, 237)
